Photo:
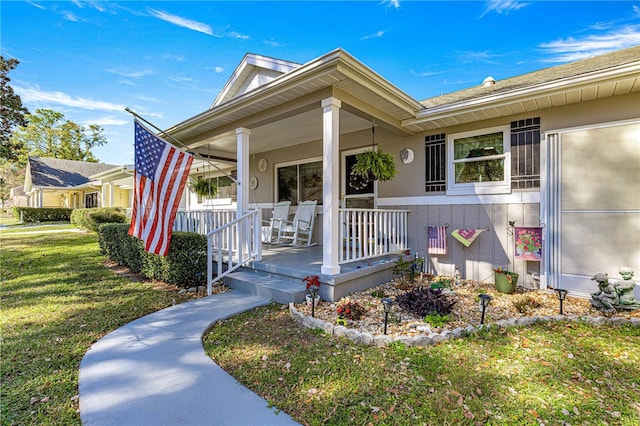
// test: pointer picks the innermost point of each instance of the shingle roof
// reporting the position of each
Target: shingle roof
(55, 172)
(546, 75)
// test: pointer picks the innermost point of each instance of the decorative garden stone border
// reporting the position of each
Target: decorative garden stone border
(366, 338)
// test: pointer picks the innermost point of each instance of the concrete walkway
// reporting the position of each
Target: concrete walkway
(153, 371)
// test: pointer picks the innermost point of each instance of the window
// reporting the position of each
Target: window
(300, 182)
(525, 153)
(436, 165)
(479, 162)
(225, 188)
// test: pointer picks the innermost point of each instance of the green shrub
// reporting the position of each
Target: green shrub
(91, 219)
(42, 214)
(185, 264)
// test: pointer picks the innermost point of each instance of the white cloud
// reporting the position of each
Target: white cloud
(392, 3)
(170, 57)
(426, 73)
(130, 74)
(182, 22)
(476, 57)
(573, 49)
(70, 16)
(503, 6)
(377, 34)
(39, 97)
(273, 43)
(106, 121)
(218, 70)
(34, 4)
(147, 98)
(237, 35)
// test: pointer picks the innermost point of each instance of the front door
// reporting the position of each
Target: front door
(357, 192)
(593, 204)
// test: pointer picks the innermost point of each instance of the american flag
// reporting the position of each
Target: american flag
(437, 240)
(161, 171)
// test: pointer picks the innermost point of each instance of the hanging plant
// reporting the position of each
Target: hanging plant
(375, 165)
(204, 187)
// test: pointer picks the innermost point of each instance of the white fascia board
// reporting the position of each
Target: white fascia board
(524, 94)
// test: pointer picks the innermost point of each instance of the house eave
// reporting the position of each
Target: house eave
(324, 72)
(596, 85)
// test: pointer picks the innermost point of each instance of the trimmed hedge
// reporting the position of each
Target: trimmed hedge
(185, 265)
(42, 214)
(91, 219)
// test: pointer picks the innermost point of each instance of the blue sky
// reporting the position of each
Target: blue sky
(168, 60)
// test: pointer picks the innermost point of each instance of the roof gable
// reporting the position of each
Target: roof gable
(254, 71)
(54, 172)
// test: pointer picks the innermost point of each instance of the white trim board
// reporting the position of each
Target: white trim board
(426, 200)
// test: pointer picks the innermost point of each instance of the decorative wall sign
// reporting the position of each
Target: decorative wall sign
(407, 155)
(263, 165)
(253, 182)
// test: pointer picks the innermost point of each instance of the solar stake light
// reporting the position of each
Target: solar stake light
(313, 290)
(562, 294)
(485, 299)
(386, 304)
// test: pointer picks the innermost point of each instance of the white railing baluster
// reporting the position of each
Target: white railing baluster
(367, 233)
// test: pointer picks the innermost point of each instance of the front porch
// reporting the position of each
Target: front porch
(372, 239)
(280, 272)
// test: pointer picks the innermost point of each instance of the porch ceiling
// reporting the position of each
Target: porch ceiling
(302, 128)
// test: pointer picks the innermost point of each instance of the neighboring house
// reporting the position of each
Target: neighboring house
(18, 198)
(52, 182)
(558, 148)
(116, 184)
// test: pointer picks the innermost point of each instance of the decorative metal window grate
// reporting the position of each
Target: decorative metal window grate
(436, 163)
(525, 153)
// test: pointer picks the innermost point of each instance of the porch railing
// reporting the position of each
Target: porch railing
(232, 245)
(202, 221)
(367, 233)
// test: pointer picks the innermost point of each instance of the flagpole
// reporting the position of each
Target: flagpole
(180, 144)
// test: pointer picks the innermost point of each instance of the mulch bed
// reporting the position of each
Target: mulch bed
(466, 311)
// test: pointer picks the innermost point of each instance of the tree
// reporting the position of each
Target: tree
(50, 134)
(12, 111)
(11, 175)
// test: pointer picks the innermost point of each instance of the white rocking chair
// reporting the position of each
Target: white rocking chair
(300, 230)
(279, 220)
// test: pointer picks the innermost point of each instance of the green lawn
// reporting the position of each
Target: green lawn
(549, 373)
(56, 300)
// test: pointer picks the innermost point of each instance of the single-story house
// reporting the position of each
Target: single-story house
(556, 149)
(53, 182)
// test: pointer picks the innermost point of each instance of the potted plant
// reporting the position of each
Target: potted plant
(313, 287)
(375, 165)
(204, 187)
(505, 280)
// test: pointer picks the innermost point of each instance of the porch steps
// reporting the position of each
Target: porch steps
(279, 288)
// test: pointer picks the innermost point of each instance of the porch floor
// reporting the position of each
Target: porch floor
(305, 261)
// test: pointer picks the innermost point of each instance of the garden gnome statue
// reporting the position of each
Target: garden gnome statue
(624, 287)
(606, 298)
(613, 294)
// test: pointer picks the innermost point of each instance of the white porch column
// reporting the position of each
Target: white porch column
(112, 195)
(242, 138)
(330, 184)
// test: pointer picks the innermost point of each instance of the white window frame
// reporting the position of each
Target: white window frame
(499, 187)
